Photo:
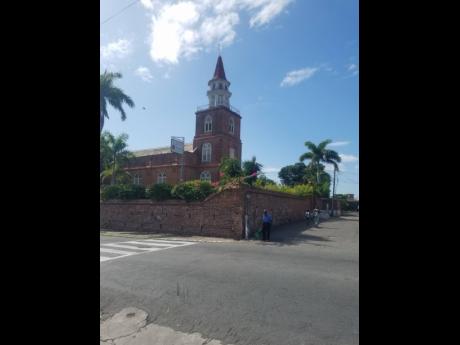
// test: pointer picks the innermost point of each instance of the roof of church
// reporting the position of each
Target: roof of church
(160, 150)
(219, 73)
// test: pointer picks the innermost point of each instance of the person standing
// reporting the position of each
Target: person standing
(266, 225)
(307, 217)
(316, 216)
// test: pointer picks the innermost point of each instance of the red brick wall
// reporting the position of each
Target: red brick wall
(283, 208)
(221, 215)
(218, 216)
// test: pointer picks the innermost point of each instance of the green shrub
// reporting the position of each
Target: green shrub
(298, 190)
(160, 191)
(124, 192)
(192, 190)
(132, 191)
(110, 192)
(230, 167)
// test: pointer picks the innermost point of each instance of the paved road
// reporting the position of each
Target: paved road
(300, 289)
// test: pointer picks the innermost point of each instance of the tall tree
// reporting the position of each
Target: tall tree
(291, 175)
(112, 95)
(251, 168)
(114, 154)
(230, 167)
(320, 154)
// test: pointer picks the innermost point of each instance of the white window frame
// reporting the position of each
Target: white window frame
(208, 124)
(232, 153)
(161, 178)
(206, 151)
(137, 179)
(231, 125)
(220, 100)
(205, 176)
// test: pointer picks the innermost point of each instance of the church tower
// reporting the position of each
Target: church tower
(217, 131)
(218, 93)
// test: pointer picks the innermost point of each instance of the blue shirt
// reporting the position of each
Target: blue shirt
(266, 218)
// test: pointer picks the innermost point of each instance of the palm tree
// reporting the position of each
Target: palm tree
(113, 154)
(112, 95)
(251, 167)
(320, 154)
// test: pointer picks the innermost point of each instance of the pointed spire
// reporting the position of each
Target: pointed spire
(219, 73)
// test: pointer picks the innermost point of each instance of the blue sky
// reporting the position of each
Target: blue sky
(293, 68)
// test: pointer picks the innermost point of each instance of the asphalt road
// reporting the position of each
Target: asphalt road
(301, 288)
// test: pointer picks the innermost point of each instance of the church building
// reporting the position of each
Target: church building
(217, 135)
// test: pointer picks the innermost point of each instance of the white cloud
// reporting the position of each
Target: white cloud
(269, 11)
(144, 74)
(295, 77)
(171, 31)
(183, 28)
(339, 143)
(148, 4)
(353, 68)
(348, 158)
(116, 50)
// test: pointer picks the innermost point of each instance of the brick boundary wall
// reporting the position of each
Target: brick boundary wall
(217, 216)
(284, 208)
(220, 215)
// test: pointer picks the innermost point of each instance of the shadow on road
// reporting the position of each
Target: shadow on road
(298, 233)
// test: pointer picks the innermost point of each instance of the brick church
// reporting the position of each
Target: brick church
(217, 135)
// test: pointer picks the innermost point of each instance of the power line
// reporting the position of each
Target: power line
(122, 10)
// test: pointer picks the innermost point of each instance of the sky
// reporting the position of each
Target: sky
(293, 67)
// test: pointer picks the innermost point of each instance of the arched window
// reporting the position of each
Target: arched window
(205, 176)
(232, 152)
(219, 100)
(208, 124)
(161, 177)
(137, 179)
(206, 152)
(231, 125)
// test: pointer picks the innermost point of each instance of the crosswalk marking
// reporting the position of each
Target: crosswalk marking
(124, 246)
(151, 244)
(114, 251)
(134, 247)
(170, 242)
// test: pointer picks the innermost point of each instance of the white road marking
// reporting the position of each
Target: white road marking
(170, 242)
(124, 246)
(152, 246)
(114, 251)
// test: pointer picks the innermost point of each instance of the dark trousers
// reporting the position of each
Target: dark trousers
(266, 231)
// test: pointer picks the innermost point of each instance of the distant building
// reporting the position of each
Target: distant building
(217, 135)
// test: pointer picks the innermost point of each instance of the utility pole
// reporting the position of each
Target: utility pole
(333, 195)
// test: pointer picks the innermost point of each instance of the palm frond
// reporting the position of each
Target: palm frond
(322, 145)
(306, 155)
